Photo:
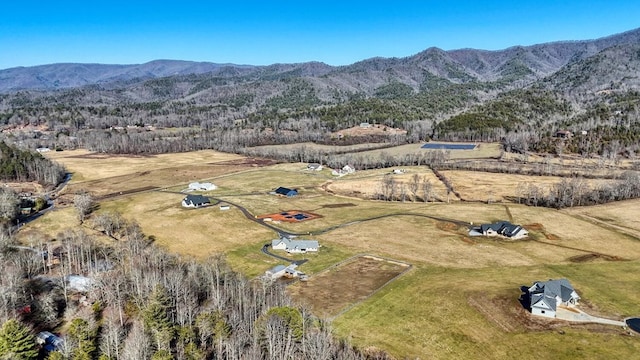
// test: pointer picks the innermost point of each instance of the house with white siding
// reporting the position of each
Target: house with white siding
(294, 246)
(546, 296)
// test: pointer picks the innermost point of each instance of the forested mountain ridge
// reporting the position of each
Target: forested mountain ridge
(453, 65)
(454, 95)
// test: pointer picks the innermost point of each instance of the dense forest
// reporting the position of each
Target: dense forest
(527, 93)
(138, 302)
(22, 165)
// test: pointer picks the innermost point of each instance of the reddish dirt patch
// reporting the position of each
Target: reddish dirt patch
(446, 226)
(534, 226)
(373, 129)
(332, 291)
(291, 216)
(333, 206)
(592, 257)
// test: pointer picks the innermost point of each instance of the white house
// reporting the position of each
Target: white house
(546, 296)
(198, 186)
(294, 246)
(314, 167)
(500, 228)
(347, 169)
(398, 171)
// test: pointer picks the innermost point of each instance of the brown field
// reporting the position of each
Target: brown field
(86, 165)
(485, 186)
(330, 292)
(193, 232)
(623, 215)
(327, 149)
(367, 184)
(460, 299)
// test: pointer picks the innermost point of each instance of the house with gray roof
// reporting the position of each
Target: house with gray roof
(546, 296)
(195, 201)
(500, 228)
(294, 246)
(288, 271)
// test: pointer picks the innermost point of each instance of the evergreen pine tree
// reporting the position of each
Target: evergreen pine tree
(17, 341)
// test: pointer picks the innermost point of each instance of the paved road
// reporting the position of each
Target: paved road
(265, 250)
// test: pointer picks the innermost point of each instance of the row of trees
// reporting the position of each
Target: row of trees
(578, 192)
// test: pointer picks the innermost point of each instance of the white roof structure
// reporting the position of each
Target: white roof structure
(198, 186)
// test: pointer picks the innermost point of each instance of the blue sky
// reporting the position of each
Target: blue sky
(267, 32)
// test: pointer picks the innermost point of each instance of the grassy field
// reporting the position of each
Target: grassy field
(483, 186)
(444, 313)
(330, 292)
(193, 232)
(459, 300)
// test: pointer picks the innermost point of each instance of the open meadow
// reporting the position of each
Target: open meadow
(460, 298)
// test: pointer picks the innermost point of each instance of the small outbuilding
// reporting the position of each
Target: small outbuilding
(195, 201)
(546, 296)
(314, 167)
(283, 191)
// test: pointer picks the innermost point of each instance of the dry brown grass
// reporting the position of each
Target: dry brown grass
(484, 186)
(87, 165)
(367, 184)
(327, 149)
(624, 215)
(194, 232)
(329, 292)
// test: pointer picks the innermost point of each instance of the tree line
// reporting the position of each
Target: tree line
(143, 303)
(22, 166)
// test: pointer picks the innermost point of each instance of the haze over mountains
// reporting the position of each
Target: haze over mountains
(463, 65)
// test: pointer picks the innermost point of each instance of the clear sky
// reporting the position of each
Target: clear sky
(267, 32)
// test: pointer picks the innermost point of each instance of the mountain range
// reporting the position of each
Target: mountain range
(463, 94)
(521, 62)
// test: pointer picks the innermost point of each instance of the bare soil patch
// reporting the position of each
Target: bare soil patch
(291, 216)
(328, 293)
(592, 257)
(334, 206)
(373, 129)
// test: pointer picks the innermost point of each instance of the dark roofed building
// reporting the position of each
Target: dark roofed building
(503, 228)
(195, 201)
(283, 191)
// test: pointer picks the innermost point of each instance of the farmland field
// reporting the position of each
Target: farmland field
(331, 291)
(460, 300)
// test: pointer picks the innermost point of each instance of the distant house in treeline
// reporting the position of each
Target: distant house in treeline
(314, 167)
(563, 134)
